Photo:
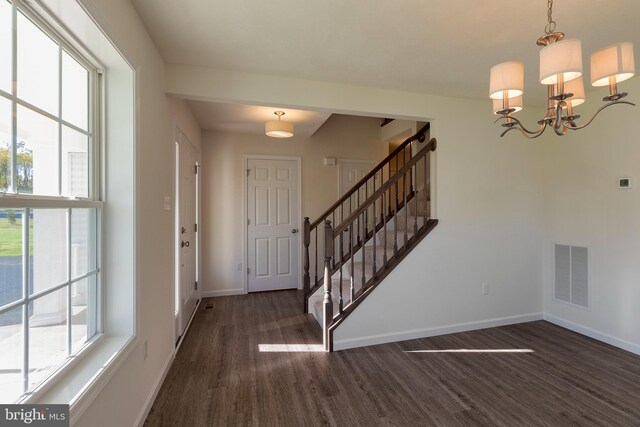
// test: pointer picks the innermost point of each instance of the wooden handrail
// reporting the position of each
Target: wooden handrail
(376, 194)
(418, 136)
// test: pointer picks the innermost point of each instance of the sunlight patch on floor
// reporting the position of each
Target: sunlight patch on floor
(290, 348)
(479, 350)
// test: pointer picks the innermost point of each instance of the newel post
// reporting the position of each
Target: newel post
(306, 284)
(328, 301)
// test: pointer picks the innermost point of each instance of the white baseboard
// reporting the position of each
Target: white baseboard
(154, 391)
(148, 404)
(592, 333)
(224, 293)
(431, 332)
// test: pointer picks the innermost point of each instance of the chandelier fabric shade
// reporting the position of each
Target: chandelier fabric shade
(278, 128)
(576, 87)
(612, 61)
(563, 57)
(507, 77)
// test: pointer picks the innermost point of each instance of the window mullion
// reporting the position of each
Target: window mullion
(59, 120)
(12, 187)
(26, 265)
(69, 222)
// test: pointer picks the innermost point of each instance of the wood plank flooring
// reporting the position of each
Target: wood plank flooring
(221, 378)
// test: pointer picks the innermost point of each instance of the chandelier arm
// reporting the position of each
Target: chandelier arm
(558, 125)
(524, 129)
(609, 104)
(527, 135)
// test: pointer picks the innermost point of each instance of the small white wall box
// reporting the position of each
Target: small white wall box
(624, 182)
(329, 161)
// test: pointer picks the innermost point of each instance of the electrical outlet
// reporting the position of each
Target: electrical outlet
(485, 288)
(238, 266)
(145, 349)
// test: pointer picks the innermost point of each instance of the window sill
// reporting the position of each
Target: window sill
(82, 383)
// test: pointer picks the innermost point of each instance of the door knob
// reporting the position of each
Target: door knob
(294, 230)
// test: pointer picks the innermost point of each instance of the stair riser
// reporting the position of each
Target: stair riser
(420, 211)
(408, 222)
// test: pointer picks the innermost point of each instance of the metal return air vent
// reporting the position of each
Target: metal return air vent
(572, 274)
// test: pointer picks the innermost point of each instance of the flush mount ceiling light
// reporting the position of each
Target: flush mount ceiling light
(278, 128)
(561, 72)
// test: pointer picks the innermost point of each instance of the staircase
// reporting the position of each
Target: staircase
(362, 237)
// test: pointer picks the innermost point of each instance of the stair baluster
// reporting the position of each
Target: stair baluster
(375, 227)
(384, 221)
(358, 204)
(395, 223)
(405, 207)
(352, 289)
(316, 256)
(425, 184)
(340, 300)
(364, 220)
(328, 301)
(307, 240)
(415, 208)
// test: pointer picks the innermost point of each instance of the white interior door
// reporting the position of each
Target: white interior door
(350, 173)
(186, 235)
(273, 230)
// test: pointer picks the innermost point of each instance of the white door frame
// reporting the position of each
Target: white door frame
(179, 136)
(373, 163)
(245, 213)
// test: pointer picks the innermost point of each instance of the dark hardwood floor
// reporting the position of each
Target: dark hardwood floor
(220, 377)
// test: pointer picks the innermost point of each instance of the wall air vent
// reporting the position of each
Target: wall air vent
(572, 274)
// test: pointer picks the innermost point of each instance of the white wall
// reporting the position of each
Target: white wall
(585, 207)
(489, 203)
(223, 171)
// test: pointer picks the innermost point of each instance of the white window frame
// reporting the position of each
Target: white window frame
(27, 202)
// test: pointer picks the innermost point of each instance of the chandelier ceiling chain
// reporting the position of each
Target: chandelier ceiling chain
(561, 72)
(551, 24)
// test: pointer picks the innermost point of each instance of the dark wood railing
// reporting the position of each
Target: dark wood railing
(366, 226)
(335, 241)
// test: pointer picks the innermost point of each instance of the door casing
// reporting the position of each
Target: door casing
(179, 139)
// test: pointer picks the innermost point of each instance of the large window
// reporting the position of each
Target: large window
(49, 204)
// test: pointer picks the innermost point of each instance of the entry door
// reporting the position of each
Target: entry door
(273, 231)
(186, 233)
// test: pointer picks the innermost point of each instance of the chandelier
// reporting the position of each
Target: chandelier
(561, 72)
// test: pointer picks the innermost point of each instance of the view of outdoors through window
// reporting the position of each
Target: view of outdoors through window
(48, 251)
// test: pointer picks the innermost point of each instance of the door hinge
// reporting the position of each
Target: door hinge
(196, 285)
(248, 221)
(196, 169)
(195, 228)
(248, 172)
(248, 270)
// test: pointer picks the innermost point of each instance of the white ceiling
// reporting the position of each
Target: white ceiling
(251, 118)
(430, 46)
